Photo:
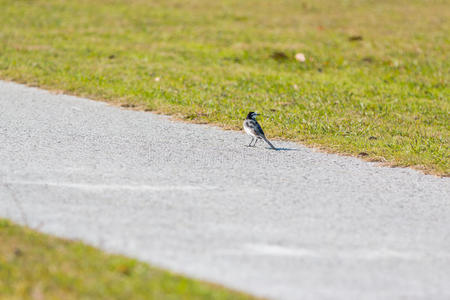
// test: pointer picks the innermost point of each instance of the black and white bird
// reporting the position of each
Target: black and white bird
(253, 129)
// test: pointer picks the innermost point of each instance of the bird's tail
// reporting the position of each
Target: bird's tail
(270, 144)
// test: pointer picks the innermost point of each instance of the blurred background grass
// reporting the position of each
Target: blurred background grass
(374, 82)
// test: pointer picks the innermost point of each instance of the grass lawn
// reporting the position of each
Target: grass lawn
(375, 81)
(37, 266)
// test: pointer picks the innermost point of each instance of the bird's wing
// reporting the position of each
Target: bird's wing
(255, 128)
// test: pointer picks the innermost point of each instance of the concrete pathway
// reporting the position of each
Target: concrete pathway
(289, 224)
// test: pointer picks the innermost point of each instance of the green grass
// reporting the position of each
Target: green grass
(385, 95)
(37, 266)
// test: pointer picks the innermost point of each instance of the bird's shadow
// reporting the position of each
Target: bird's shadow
(276, 149)
(284, 149)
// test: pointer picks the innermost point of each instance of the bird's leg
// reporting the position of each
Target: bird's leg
(256, 139)
(249, 145)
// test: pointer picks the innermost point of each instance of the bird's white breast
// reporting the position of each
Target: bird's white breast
(247, 130)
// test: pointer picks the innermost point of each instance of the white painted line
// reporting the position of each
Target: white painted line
(276, 250)
(103, 187)
(361, 254)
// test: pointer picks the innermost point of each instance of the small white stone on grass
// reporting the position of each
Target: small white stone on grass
(300, 57)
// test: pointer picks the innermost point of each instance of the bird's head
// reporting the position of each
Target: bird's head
(252, 115)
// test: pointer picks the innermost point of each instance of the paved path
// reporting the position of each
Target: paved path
(290, 224)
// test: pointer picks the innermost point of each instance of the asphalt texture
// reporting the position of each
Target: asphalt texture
(287, 224)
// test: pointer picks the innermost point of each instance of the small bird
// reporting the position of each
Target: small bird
(253, 129)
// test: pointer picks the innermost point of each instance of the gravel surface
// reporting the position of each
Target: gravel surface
(288, 224)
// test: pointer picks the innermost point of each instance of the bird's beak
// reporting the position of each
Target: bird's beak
(256, 114)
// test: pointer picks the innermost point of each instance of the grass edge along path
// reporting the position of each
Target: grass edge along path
(197, 118)
(39, 266)
(373, 84)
